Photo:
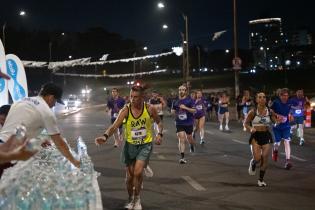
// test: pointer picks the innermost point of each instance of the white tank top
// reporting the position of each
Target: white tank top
(260, 120)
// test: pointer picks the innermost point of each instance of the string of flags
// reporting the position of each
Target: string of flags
(55, 66)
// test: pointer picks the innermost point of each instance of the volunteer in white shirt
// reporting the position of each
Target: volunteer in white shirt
(35, 114)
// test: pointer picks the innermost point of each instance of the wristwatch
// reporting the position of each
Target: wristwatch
(106, 136)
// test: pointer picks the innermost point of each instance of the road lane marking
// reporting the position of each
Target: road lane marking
(161, 157)
(193, 183)
(209, 132)
(295, 157)
(238, 141)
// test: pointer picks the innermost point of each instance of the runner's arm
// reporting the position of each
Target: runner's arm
(249, 118)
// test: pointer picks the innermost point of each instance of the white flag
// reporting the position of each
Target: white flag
(104, 57)
(216, 35)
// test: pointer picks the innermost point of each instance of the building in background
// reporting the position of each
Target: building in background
(266, 40)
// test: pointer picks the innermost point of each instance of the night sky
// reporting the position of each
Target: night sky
(142, 21)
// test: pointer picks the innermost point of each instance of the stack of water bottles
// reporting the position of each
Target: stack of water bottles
(49, 181)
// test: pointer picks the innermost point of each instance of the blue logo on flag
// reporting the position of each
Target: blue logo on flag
(18, 90)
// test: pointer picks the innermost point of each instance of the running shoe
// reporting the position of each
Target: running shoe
(182, 161)
(137, 204)
(129, 204)
(301, 142)
(192, 148)
(252, 168)
(275, 155)
(202, 141)
(148, 172)
(288, 165)
(221, 128)
(227, 128)
(244, 128)
(261, 183)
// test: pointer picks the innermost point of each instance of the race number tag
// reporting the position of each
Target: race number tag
(115, 115)
(182, 116)
(138, 134)
(199, 107)
(298, 111)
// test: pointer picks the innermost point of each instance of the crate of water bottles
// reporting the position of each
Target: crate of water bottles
(49, 181)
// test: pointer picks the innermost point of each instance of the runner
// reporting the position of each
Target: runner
(159, 104)
(115, 104)
(138, 117)
(299, 114)
(281, 129)
(201, 106)
(223, 111)
(247, 103)
(184, 109)
(257, 122)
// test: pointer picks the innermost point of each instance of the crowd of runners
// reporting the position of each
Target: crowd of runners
(269, 120)
(137, 120)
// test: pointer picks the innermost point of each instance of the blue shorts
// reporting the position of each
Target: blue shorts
(282, 133)
(299, 120)
(223, 110)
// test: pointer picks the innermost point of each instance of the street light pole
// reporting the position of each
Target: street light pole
(236, 70)
(186, 48)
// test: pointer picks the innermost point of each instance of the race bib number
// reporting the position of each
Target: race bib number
(115, 115)
(298, 111)
(182, 116)
(138, 134)
(199, 107)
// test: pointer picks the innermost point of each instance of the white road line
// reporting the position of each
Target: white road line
(296, 158)
(193, 183)
(161, 157)
(209, 132)
(238, 141)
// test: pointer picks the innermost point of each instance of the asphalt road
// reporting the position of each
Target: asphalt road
(215, 176)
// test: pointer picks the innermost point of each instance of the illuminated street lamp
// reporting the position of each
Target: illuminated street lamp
(160, 5)
(145, 48)
(21, 13)
(185, 44)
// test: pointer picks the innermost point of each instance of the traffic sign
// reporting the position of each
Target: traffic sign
(237, 62)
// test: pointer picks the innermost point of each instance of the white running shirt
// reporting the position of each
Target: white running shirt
(34, 113)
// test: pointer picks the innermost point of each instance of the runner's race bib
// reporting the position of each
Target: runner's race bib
(298, 111)
(199, 107)
(139, 134)
(182, 116)
(115, 115)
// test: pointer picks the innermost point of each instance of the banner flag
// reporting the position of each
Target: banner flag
(4, 96)
(17, 85)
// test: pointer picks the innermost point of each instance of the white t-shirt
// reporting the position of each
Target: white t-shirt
(34, 113)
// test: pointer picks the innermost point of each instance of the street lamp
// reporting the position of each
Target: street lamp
(160, 5)
(185, 44)
(21, 13)
(236, 59)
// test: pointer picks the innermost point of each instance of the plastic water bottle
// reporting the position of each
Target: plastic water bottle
(81, 146)
(20, 132)
(34, 144)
